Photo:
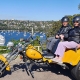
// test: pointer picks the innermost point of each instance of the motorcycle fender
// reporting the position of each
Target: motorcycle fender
(72, 57)
(5, 61)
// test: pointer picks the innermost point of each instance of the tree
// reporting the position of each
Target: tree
(79, 7)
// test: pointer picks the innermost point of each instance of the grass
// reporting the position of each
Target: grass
(4, 49)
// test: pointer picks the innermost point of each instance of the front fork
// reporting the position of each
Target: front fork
(32, 63)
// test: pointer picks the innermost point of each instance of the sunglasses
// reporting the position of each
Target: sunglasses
(75, 22)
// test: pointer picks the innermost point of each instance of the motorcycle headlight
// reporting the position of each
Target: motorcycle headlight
(10, 44)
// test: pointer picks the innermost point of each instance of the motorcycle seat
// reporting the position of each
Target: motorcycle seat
(48, 55)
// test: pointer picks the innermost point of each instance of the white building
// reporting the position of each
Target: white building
(2, 40)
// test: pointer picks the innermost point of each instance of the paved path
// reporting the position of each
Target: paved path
(19, 73)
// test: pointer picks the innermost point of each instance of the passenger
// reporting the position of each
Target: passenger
(73, 40)
(62, 33)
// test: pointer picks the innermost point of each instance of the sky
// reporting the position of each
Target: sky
(37, 9)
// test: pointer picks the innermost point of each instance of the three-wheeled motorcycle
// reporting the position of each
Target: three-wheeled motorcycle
(71, 59)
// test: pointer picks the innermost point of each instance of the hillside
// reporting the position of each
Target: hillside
(49, 27)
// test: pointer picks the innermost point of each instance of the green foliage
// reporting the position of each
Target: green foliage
(15, 42)
(35, 43)
(79, 7)
(4, 49)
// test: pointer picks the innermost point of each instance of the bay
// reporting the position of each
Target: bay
(16, 35)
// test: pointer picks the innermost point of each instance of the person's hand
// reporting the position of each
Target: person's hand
(61, 36)
(57, 36)
(78, 46)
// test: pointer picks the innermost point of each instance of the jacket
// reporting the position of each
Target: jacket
(64, 30)
(74, 35)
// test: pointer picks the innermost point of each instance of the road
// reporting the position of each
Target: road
(19, 73)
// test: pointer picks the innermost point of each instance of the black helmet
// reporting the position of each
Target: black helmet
(76, 19)
(65, 19)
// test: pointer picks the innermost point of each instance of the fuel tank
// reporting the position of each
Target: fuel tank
(33, 53)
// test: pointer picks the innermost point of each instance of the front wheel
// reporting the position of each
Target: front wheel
(76, 72)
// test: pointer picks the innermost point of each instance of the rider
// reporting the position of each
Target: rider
(73, 40)
(62, 33)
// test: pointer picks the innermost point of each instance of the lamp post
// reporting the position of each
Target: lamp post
(32, 31)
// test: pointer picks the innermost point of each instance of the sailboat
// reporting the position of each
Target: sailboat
(24, 33)
(13, 31)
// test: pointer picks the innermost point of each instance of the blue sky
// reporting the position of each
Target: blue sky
(37, 9)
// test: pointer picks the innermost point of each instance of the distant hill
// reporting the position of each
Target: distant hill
(49, 27)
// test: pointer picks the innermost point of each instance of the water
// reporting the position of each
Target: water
(16, 35)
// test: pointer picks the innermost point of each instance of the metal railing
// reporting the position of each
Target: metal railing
(38, 47)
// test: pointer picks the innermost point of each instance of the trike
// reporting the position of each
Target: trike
(71, 59)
